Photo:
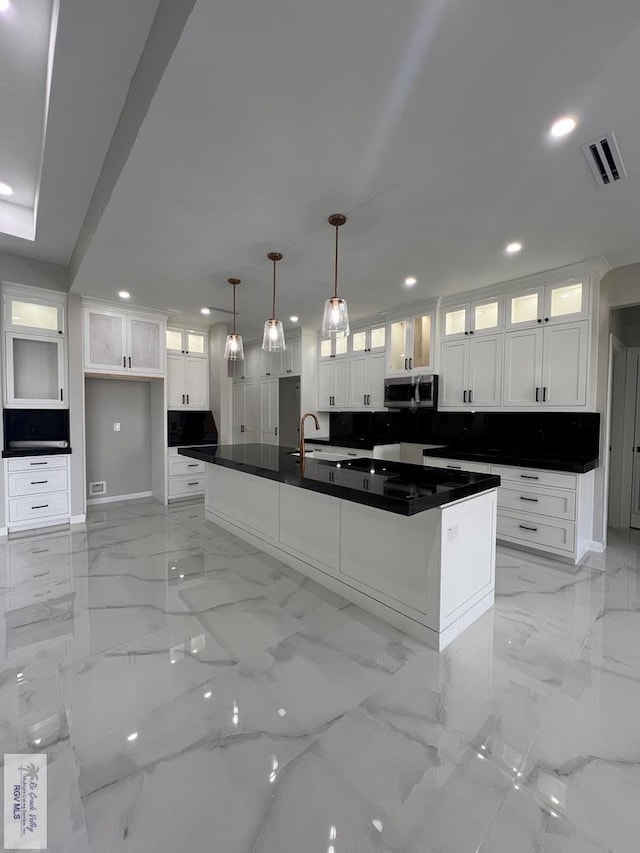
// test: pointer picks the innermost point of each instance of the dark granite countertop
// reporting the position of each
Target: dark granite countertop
(362, 444)
(521, 459)
(392, 486)
(35, 451)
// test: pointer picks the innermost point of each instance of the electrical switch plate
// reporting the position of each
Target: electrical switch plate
(116, 427)
(452, 532)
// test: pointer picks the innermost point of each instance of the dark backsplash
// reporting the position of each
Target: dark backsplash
(35, 425)
(559, 433)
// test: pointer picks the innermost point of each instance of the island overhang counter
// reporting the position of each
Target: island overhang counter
(415, 546)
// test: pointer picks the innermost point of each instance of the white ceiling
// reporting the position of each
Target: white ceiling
(424, 120)
(97, 47)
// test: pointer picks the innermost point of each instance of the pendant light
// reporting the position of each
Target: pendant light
(273, 339)
(335, 321)
(233, 350)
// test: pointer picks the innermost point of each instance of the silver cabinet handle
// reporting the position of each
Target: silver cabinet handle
(524, 527)
(531, 500)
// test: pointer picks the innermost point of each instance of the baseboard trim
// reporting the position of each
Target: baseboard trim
(78, 519)
(134, 496)
(598, 547)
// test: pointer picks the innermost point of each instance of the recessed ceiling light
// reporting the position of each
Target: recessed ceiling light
(205, 311)
(5, 189)
(207, 695)
(294, 319)
(132, 737)
(4, 5)
(563, 126)
(513, 248)
(410, 280)
(124, 294)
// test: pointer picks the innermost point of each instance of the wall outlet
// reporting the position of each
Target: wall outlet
(116, 427)
(452, 532)
(98, 488)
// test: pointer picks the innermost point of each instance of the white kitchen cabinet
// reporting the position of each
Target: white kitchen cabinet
(269, 398)
(333, 384)
(33, 311)
(366, 386)
(481, 317)
(292, 358)
(37, 491)
(186, 342)
(270, 363)
(471, 373)
(187, 382)
(410, 345)
(246, 412)
(248, 368)
(456, 464)
(334, 347)
(185, 477)
(546, 366)
(120, 342)
(368, 339)
(555, 302)
(35, 372)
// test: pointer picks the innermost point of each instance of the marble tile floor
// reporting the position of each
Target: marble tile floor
(193, 694)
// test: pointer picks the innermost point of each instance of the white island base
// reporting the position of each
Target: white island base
(430, 574)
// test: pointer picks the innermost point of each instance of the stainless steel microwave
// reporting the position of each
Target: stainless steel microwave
(411, 392)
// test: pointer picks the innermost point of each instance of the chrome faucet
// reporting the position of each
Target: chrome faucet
(301, 448)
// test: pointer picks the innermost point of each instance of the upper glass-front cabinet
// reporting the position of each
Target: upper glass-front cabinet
(473, 318)
(187, 342)
(331, 347)
(372, 339)
(33, 314)
(552, 303)
(410, 345)
(35, 371)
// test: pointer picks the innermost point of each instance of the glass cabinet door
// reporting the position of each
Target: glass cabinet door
(566, 301)
(456, 321)
(174, 341)
(359, 341)
(398, 356)
(524, 309)
(35, 372)
(485, 316)
(33, 315)
(195, 343)
(421, 357)
(377, 338)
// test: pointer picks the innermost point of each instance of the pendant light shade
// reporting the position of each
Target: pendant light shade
(335, 320)
(233, 349)
(273, 338)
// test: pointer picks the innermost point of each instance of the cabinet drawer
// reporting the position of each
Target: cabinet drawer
(555, 503)
(457, 464)
(547, 534)
(536, 476)
(37, 463)
(180, 486)
(182, 465)
(38, 507)
(37, 482)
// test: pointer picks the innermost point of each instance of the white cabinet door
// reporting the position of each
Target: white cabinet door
(251, 412)
(522, 368)
(564, 365)
(252, 363)
(239, 413)
(566, 301)
(326, 385)
(146, 345)
(453, 373)
(35, 372)
(270, 363)
(485, 372)
(342, 383)
(359, 386)
(292, 357)
(377, 371)
(175, 382)
(195, 343)
(33, 314)
(105, 339)
(197, 382)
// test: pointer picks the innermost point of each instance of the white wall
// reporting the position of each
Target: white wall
(220, 383)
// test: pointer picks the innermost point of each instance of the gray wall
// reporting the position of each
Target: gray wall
(122, 458)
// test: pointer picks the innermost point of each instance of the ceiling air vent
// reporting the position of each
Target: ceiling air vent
(604, 158)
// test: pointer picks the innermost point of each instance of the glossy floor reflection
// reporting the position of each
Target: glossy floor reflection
(192, 694)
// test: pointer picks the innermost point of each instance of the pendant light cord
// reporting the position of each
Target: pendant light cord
(234, 310)
(273, 302)
(335, 276)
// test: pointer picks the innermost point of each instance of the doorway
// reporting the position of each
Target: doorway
(289, 411)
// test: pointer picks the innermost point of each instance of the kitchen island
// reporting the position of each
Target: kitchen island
(413, 545)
